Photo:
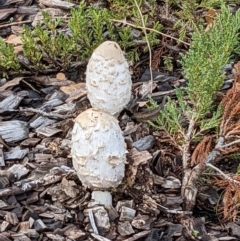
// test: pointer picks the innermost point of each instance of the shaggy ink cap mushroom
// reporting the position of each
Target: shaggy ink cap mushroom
(98, 150)
(108, 79)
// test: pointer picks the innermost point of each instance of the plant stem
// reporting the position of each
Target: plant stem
(150, 29)
(148, 44)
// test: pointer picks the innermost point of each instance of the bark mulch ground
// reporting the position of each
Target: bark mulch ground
(41, 197)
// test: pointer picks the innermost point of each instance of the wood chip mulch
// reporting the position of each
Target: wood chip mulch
(41, 197)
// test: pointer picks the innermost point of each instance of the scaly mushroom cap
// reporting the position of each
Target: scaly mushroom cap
(108, 79)
(98, 150)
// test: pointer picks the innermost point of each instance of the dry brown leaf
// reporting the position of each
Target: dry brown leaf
(18, 49)
(156, 59)
(201, 151)
(210, 16)
(46, 80)
(14, 39)
(69, 89)
(76, 95)
(231, 104)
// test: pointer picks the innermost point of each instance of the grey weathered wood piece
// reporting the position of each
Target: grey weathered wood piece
(14, 130)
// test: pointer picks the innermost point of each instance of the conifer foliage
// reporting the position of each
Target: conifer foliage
(193, 119)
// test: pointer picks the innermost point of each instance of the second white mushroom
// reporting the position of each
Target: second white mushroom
(98, 150)
(108, 79)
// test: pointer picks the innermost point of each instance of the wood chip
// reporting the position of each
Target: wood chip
(24, 225)
(139, 157)
(3, 204)
(39, 225)
(4, 227)
(15, 154)
(125, 228)
(13, 131)
(171, 182)
(144, 143)
(69, 187)
(138, 236)
(55, 237)
(11, 218)
(127, 214)
(99, 237)
(30, 142)
(20, 237)
(11, 83)
(33, 197)
(4, 238)
(42, 121)
(57, 4)
(4, 13)
(2, 162)
(11, 102)
(142, 222)
(102, 220)
(4, 182)
(19, 171)
(75, 233)
(48, 131)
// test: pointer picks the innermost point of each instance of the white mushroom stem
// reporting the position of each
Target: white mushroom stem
(104, 198)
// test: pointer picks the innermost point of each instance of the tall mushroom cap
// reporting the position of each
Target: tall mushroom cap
(98, 150)
(108, 79)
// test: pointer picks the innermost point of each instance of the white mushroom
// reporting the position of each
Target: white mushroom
(98, 150)
(108, 79)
